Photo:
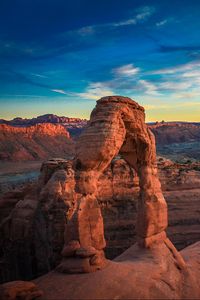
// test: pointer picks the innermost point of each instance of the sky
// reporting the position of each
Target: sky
(60, 56)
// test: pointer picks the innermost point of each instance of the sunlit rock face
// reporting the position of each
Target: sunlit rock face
(117, 125)
(37, 142)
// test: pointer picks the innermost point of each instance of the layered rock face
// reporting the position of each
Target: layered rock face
(181, 189)
(117, 125)
(37, 142)
(172, 132)
(32, 228)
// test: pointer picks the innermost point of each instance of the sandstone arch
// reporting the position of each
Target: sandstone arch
(117, 125)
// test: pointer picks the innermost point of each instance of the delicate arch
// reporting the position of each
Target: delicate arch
(117, 125)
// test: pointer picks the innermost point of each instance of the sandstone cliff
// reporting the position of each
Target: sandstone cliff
(175, 132)
(35, 142)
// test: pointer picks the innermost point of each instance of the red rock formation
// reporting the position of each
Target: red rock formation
(22, 290)
(138, 273)
(117, 125)
(36, 142)
(172, 132)
(117, 196)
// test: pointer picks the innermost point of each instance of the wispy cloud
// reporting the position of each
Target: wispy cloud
(176, 69)
(167, 21)
(95, 91)
(126, 70)
(162, 23)
(192, 73)
(59, 91)
(181, 82)
(148, 87)
(39, 75)
(87, 30)
(175, 86)
(143, 13)
(179, 78)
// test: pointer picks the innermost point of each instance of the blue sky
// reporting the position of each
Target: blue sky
(60, 56)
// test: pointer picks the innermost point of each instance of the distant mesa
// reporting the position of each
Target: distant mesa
(37, 142)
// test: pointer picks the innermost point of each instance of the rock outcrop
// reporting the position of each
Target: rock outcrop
(38, 142)
(175, 132)
(32, 230)
(138, 273)
(22, 290)
(117, 125)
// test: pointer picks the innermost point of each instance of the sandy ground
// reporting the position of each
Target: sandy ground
(14, 174)
(7, 168)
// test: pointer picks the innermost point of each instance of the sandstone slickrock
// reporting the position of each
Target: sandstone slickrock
(138, 273)
(22, 290)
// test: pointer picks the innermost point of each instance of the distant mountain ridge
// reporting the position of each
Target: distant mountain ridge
(47, 118)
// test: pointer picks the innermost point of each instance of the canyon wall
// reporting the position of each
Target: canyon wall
(37, 142)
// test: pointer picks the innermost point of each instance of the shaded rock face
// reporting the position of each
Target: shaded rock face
(37, 142)
(181, 188)
(32, 230)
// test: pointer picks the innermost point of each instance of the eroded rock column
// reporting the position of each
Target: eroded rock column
(84, 234)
